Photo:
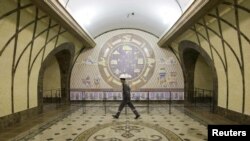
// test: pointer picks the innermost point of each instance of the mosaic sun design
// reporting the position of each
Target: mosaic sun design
(126, 54)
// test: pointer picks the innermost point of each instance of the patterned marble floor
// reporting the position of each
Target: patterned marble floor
(92, 124)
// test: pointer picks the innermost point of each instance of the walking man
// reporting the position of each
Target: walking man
(126, 99)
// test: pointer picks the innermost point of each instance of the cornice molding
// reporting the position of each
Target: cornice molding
(58, 12)
(197, 9)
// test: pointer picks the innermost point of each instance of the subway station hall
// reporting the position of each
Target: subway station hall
(123, 70)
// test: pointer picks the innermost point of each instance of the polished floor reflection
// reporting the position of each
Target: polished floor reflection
(95, 123)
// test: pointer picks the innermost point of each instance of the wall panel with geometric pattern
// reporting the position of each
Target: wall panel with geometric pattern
(132, 53)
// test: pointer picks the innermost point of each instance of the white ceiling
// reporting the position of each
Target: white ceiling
(99, 16)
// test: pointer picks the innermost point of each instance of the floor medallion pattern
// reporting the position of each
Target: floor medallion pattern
(128, 131)
(94, 123)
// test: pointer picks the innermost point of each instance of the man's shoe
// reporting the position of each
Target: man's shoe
(137, 116)
(115, 116)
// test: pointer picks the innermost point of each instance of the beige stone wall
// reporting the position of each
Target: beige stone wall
(226, 40)
(27, 36)
(51, 78)
(203, 78)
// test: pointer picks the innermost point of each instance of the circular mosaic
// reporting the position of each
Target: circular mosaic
(129, 131)
(126, 54)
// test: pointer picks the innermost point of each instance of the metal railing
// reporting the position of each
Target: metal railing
(53, 96)
(197, 97)
(200, 98)
(167, 97)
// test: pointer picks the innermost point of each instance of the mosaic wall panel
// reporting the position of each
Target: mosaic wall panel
(127, 52)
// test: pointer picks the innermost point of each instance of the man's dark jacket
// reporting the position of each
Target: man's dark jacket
(126, 92)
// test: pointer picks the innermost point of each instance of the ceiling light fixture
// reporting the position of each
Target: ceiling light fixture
(131, 14)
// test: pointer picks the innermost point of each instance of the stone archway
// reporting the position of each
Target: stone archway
(64, 55)
(189, 53)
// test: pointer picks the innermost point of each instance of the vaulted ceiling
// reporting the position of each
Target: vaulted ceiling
(100, 16)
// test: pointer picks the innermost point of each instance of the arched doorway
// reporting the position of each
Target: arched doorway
(55, 72)
(201, 86)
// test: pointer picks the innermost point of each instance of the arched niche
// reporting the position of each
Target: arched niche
(64, 55)
(192, 59)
